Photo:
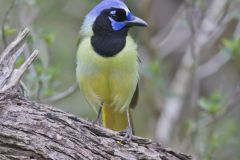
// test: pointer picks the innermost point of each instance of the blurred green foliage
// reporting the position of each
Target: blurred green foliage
(155, 71)
(48, 36)
(219, 138)
(232, 46)
(212, 104)
(8, 30)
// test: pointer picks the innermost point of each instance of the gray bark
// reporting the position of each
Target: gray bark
(29, 130)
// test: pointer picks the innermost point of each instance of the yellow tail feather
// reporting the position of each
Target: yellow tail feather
(114, 120)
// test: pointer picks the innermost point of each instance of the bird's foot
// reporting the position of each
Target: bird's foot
(97, 122)
(127, 135)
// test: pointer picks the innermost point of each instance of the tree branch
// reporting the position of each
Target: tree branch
(9, 76)
(63, 94)
(34, 131)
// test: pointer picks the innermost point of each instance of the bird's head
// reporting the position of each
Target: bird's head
(112, 16)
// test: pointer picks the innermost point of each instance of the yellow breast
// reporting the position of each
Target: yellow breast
(111, 81)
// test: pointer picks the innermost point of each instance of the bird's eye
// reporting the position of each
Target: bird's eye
(118, 14)
(113, 14)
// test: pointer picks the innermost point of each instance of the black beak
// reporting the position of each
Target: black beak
(135, 21)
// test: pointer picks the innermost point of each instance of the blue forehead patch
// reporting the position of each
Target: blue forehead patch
(129, 16)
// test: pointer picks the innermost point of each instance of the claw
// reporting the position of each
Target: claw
(127, 135)
(97, 122)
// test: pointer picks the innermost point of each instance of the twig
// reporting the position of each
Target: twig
(5, 19)
(193, 18)
(10, 77)
(175, 33)
(213, 65)
(18, 73)
(62, 95)
(9, 55)
(14, 57)
(27, 63)
(11, 48)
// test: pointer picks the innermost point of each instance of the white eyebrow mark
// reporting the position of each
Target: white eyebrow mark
(127, 12)
(113, 12)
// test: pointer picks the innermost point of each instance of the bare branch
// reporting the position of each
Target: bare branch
(9, 56)
(18, 73)
(213, 65)
(172, 37)
(10, 77)
(14, 57)
(10, 49)
(62, 95)
(34, 131)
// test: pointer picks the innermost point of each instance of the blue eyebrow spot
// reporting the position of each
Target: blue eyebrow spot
(116, 26)
(129, 16)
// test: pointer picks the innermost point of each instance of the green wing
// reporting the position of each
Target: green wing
(134, 100)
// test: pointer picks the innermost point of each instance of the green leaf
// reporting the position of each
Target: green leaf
(47, 92)
(221, 137)
(19, 61)
(8, 31)
(52, 71)
(38, 66)
(211, 104)
(29, 39)
(232, 46)
(203, 103)
(48, 36)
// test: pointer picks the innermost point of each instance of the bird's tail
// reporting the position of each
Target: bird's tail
(114, 120)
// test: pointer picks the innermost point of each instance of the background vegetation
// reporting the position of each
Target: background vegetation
(190, 67)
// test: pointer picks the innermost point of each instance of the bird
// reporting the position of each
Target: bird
(108, 64)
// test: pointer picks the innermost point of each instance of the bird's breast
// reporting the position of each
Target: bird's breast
(89, 61)
(108, 78)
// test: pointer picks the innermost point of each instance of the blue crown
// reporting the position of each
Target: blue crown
(106, 4)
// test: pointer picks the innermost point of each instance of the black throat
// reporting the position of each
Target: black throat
(105, 41)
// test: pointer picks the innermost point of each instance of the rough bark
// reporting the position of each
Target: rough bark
(29, 130)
